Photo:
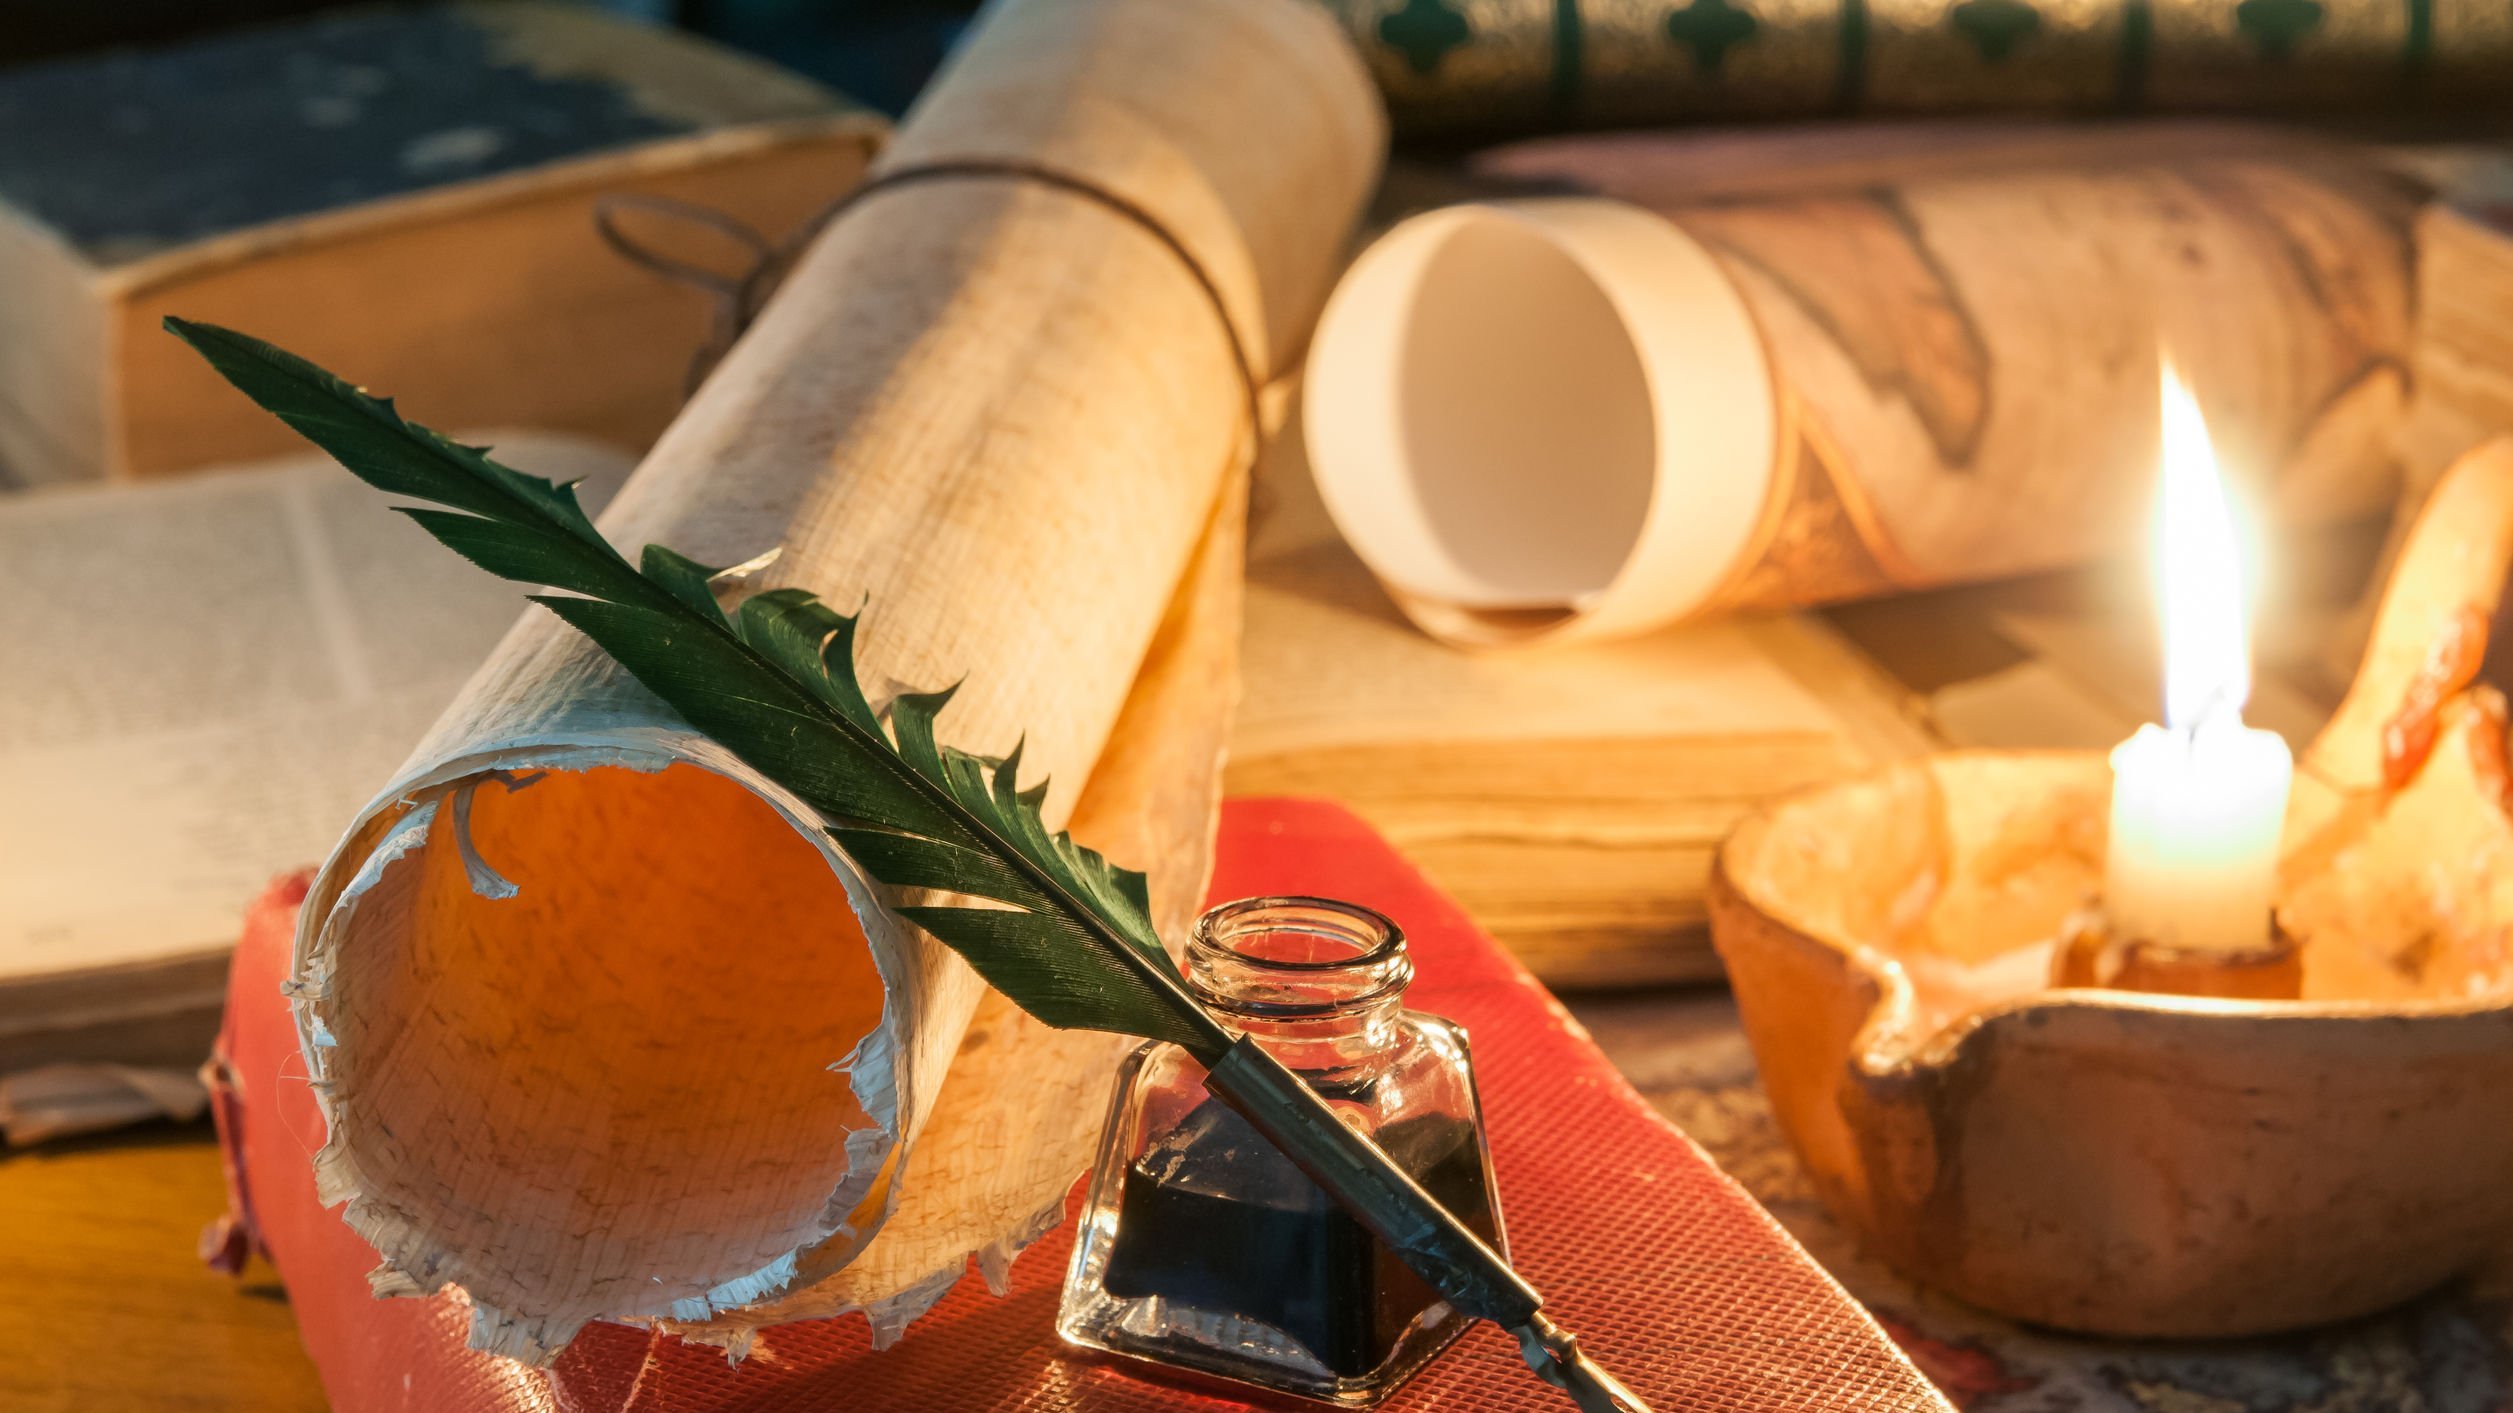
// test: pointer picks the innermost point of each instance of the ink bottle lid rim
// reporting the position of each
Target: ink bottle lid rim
(1210, 948)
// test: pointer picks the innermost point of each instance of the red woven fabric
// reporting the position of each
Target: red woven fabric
(1666, 1269)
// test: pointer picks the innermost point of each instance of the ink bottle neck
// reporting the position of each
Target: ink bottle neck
(1319, 983)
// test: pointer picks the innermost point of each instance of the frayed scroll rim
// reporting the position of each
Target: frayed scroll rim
(416, 803)
(735, 1331)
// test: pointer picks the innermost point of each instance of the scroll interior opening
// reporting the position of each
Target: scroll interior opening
(1527, 423)
(636, 1043)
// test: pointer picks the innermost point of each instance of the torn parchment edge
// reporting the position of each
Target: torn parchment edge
(737, 1332)
(877, 1065)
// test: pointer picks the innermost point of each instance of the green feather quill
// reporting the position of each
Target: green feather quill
(1072, 943)
(1068, 937)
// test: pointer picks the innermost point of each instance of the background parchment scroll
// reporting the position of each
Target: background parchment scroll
(1647, 398)
(603, 1027)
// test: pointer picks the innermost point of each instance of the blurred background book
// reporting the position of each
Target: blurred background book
(405, 192)
(1490, 67)
(201, 676)
(879, 52)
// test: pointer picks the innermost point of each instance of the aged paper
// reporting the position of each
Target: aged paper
(200, 680)
(1592, 415)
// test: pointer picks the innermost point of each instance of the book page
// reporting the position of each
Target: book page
(202, 680)
(1331, 663)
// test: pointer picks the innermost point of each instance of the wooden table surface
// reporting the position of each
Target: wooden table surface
(104, 1303)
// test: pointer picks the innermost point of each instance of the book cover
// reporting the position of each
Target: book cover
(406, 193)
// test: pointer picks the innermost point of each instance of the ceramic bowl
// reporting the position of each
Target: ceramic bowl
(2129, 1163)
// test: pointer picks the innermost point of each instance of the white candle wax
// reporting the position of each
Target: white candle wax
(2197, 806)
(2196, 817)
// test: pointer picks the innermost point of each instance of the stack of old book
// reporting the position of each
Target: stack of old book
(409, 194)
(406, 192)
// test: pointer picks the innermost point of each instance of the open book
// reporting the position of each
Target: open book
(199, 681)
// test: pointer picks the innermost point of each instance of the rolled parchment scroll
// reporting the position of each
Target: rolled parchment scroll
(1598, 413)
(603, 1025)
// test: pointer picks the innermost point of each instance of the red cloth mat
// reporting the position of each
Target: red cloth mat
(1666, 1268)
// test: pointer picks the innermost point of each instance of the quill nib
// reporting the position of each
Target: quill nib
(1554, 1353)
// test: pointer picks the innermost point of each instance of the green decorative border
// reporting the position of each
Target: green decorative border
(1544, 60)
(1853, 56)
(1570, 47)
(2137, 52)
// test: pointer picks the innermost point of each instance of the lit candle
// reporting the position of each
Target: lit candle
(2199, 802)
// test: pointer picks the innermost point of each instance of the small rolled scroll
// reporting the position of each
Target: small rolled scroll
(1595, 414)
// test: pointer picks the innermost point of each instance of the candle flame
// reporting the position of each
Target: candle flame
(2199, 570)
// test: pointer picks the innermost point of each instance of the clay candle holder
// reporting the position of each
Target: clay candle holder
(2132, 1163)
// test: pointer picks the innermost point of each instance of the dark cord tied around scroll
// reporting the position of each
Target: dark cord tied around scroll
(738, 297)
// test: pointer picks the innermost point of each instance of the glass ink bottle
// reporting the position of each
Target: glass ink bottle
(1202, 1247)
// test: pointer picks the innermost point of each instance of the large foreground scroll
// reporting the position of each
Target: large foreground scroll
(1697, 388)
(604, 1026)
